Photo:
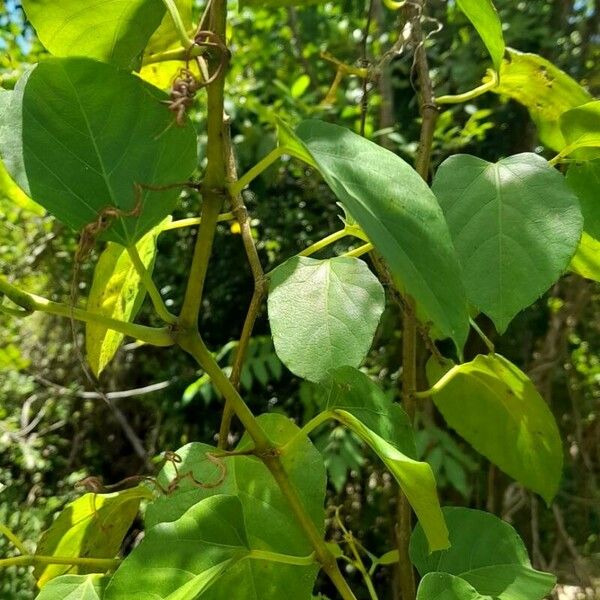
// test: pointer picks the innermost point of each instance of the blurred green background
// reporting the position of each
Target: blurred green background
(54, 432)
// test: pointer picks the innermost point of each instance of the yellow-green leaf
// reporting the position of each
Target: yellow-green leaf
(544, 89)
(116, 292)
(586, 261)
(94, 525)
(10, 190)
(495, 407)
(581, 129)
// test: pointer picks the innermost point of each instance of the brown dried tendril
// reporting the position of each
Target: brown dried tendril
(187, 84)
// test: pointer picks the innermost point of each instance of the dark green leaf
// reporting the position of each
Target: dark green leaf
(181, 559)
(323, 313)
(515, 225)
(401, 217)
(86, 134)
(267, 512)
(487, 558)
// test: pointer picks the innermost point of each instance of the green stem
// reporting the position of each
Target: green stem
(486, 340)
(364, 249)
(32, 303)
(178, 22)
(299, 561)
(326, 241)
(472, 94)
(195, 221)
(269, 454)
(101, 564)
(194, 345)
(13, 538)
(439, 385)
(214, 187)
(147, 281)
(256, 170)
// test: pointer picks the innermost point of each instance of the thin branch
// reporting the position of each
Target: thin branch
(33, 303)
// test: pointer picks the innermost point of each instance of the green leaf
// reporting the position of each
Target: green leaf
(401, 217)
(275, 3)
(354, 400)
(323, 313)
(515, 225)
(495, 407)
(267, 512)
(78, 135)
(443, 586)
(487, 558)
(116, 292)
(294, 146)
(544, 89)
(10, 190)
(94, 525)
(586, 261)
(114, 31)
(74, 587)
(581, 129)
(485, 19)
(181, 559)
(584, 180)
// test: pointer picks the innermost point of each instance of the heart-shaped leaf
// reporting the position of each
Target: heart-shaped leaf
(114, 31)
(78, 135)
(486, 559)
(181, 559)
(495, 407)
(323, 313)
(515, 225)
(401, 217)
(267, 512)
(350, 397)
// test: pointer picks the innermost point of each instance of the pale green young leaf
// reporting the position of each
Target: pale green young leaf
(486, 559)
(74, 587)
(182, 559)
(93, 525)
(353, 399)
(485, 19)
(580, 127)
(495, 407)
(10, 190)
(266, 509)
(586, 261)
(116, 292)
(77, 136)
(515, 225)
(400, 216)
(544, 89)
(294, 146)
(114, 31)
(323, 313)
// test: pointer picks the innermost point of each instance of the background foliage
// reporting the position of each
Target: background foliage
(54, 430)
